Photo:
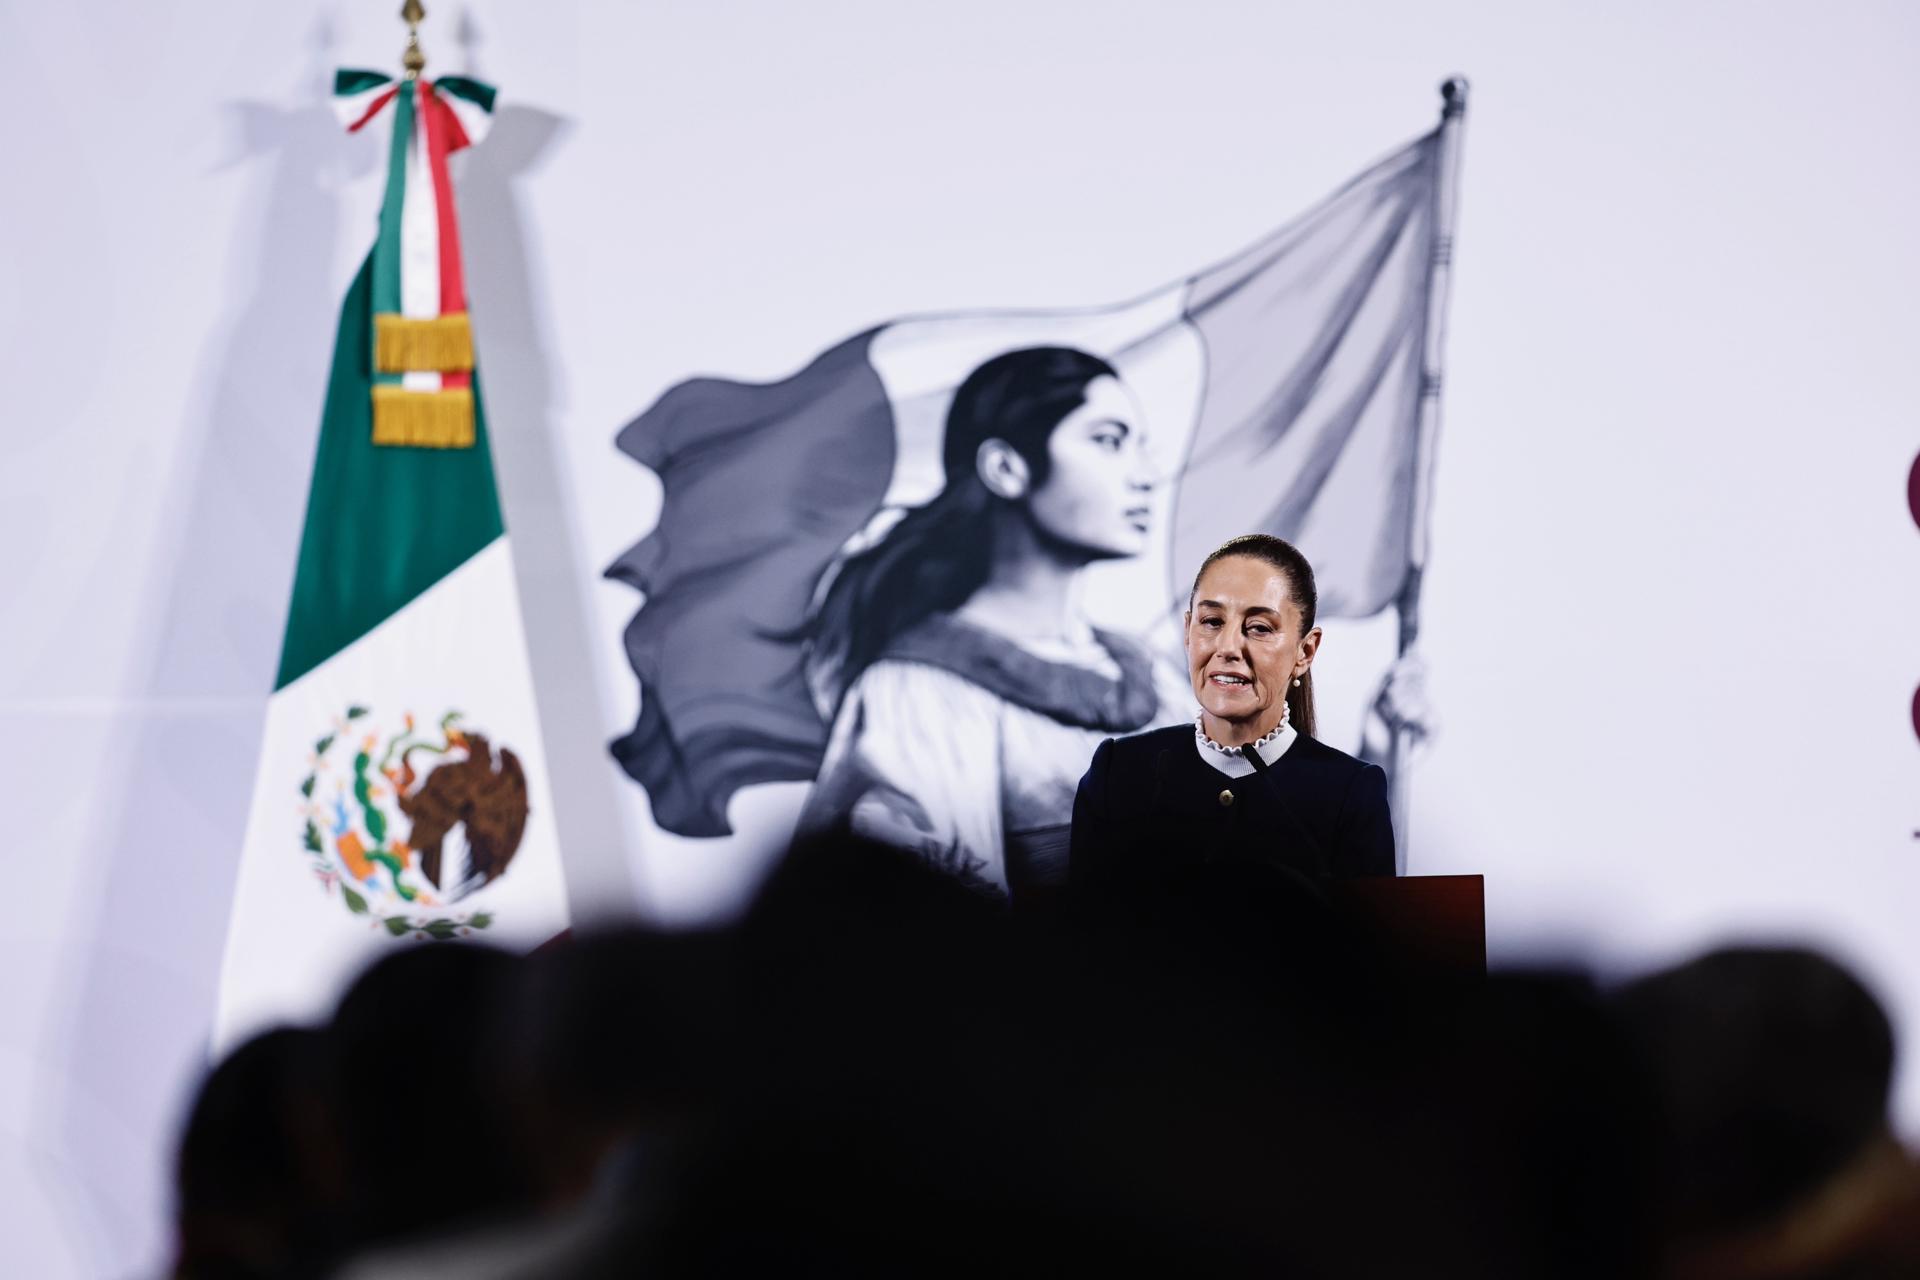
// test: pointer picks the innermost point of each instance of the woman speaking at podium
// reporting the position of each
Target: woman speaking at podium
(1246, 782)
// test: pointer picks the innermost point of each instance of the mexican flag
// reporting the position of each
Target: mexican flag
(401, 796)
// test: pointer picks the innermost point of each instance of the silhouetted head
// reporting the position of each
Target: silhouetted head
(256, 1175)
(614, 1043)
(1773, 1066)
(426, 1136)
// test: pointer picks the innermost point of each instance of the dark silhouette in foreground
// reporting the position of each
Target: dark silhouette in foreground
(878, 1069)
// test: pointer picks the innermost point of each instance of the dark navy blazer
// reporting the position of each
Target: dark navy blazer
(1150, 810)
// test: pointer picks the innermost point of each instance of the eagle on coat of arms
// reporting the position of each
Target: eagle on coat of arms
(408, 824)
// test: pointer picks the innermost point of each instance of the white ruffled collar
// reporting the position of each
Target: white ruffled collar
(1229, 760)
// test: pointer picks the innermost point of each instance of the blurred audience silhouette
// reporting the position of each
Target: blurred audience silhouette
(878, 1070)
(1771, 1071)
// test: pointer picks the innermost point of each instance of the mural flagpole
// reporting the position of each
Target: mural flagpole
(1446, 188)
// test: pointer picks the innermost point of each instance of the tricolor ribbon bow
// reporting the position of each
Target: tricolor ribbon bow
(422, 342)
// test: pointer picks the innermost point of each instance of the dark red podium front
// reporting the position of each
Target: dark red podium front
(1436, 922)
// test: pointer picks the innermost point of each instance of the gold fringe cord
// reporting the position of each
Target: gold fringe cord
(441, 344)
(423, 419)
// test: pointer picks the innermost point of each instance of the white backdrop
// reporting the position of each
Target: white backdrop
(1671, 605)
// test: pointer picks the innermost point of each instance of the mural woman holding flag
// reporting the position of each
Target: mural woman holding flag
(966, 688)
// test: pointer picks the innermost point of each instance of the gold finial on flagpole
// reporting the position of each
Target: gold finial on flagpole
(413, 60)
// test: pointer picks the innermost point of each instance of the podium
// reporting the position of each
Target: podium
(1437, 924)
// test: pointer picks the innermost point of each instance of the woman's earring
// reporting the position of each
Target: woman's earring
(1296, 682)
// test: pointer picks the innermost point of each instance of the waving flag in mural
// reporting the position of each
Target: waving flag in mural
(402, 790)
(828, 628)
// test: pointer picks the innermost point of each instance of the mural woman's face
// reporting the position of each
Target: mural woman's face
(1099, 485)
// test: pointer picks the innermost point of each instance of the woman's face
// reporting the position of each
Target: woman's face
(1098, 486)
(1244, 647)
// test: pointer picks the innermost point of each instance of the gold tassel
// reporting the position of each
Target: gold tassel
(441, 344)
(423, 419)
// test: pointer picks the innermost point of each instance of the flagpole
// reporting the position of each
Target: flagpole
(1446, 189)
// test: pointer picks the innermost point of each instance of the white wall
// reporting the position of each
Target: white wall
(1671, 600)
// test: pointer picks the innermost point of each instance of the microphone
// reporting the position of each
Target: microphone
(1296, 832)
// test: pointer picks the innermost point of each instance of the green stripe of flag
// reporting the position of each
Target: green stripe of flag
(479, 94)
(386, 250)
(349, 80)
(383, 524)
